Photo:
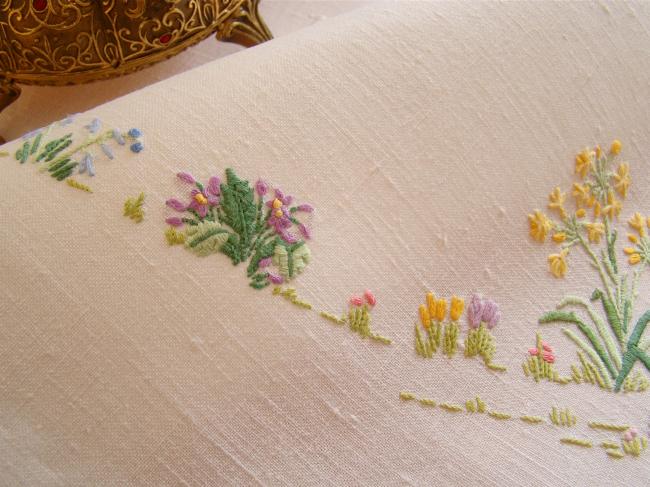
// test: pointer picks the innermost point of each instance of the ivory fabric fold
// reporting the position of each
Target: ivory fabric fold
(423, 134)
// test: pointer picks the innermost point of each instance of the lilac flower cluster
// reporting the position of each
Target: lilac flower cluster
(482, 310)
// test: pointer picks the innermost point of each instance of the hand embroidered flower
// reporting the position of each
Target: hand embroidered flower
(61, 156)
(604, 363)
(237, 220)
(540, 225)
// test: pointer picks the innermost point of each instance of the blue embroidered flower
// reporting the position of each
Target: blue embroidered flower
(137, 147)
(135, 133)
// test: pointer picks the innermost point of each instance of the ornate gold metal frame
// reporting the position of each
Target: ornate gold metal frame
(60, 42)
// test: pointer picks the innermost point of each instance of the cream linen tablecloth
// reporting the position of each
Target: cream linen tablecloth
(423, 134)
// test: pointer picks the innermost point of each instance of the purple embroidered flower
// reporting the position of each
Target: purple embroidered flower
(202, 201)
(275, 279)
(280, 217)
(107, 150)
(491, 313)
(475, 311)
(214, 186)
(265, 262)
(187, 177)
(261, 187)
(306, 208)
(304, 231)
(176, 204)
(174, 221)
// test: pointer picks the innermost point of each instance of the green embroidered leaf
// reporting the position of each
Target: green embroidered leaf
(133, 208)
(52, 148)
(610, 311)
(240, 211)
(206, 238)
(263, 251)
(291, 259)
(231, 249)
(36, 143)
(611, 251)
(564, 317)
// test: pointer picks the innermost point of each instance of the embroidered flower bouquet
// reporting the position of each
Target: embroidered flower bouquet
(239, 221)
(614, 349)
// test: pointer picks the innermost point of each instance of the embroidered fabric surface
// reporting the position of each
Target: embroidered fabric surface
(409, 350)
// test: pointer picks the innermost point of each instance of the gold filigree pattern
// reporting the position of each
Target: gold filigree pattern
(56, 42)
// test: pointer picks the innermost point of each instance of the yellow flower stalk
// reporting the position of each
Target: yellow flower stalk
(540, 225)
(634, 259)
(616, 147)
(424, 316)
(441, 309)
(638, 223)
(581, 213)
(582, 194)
(431, 304)
(583, 163)
(556, 201)
(597, 210)
(622, 179)
(558, 264)
(457, 307)
(559, 237)
(613, 207)
(595, 230)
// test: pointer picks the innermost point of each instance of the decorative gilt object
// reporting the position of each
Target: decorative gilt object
(61, 42)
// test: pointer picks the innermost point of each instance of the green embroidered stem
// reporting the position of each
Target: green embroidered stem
(589, 351)
(600, 326)
(562, 316)
(599, 267)
(450, 341)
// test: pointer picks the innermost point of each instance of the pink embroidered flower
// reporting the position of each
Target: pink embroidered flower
(187, 177)
(370, 297)
(547, 353)
(356, 301)
(176, 204)
(630, 434)
(265, 262)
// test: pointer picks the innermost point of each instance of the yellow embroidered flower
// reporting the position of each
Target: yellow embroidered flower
(557, 263)
(599, 152)
(581, 213)
(583, 162)
(540, 225)
(556, 201)
(638, 223)
(629, 250)
(616, 147)
(441, 309)
(200, 199)
(622, 178)
(559, 237)
(633, 238)
(457, 307)
(594, 231)
(431, 304)
(634, 259)
(597, 210)
(582, 194)
(424, 316)
(613, 207)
